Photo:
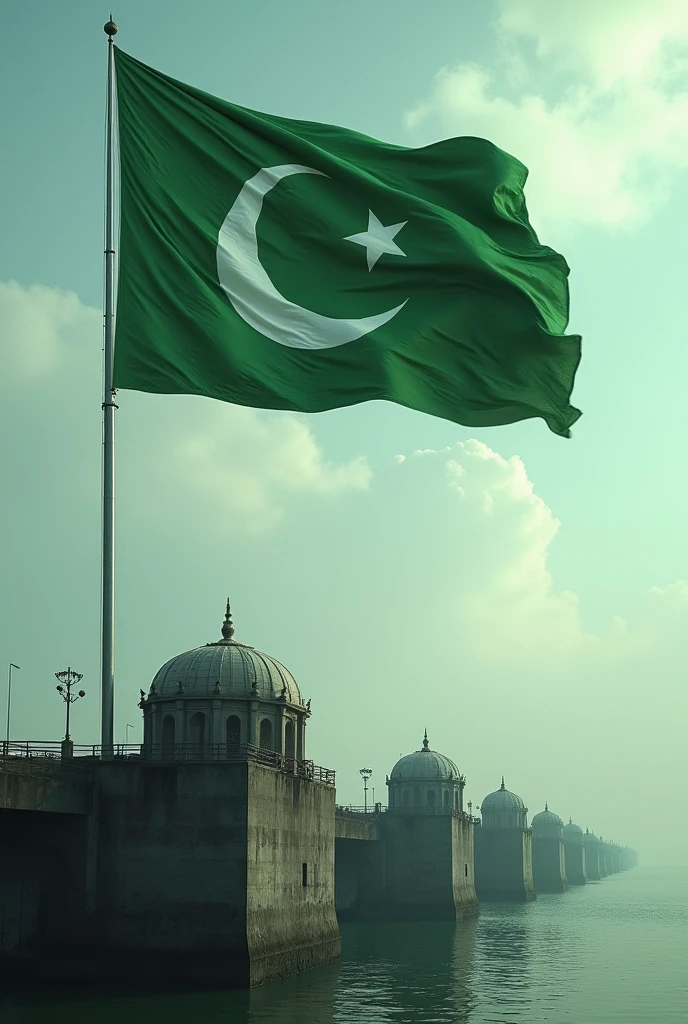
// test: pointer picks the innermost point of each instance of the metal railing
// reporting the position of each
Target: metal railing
(33, 749)
(50, 755)
(45, 757)
(426, 809)
(356, 809)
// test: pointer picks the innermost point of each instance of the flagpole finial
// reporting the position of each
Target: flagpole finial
(109, 28)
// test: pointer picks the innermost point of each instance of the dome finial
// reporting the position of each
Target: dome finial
(227, 626)
(502, 785)
(570, 820)
(426, 744)
(546, 806)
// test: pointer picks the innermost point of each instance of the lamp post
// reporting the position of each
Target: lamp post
(68, 678)
(9, 702)
(126, 733)
(365, 774)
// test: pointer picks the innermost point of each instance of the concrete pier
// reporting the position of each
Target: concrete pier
(607, 853)
(549, 867)
(591, 849)
(210, 872)
(574, 854)
(429, 873)
(200, 872)
(504, 865)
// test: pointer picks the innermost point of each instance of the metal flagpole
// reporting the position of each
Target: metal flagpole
(109, 407)
(9, 702)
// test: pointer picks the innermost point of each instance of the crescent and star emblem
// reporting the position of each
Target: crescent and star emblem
(248, 287)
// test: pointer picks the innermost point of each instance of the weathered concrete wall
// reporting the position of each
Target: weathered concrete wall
(549, 867)
(349, 860)
(172, 872)
(428, 867)
(350, 825)
(592, 861)
(504, 864)
(47, 887)
(291, 923)
(463, 868)
(358, 865)
(574, 855)
(359, 878)
(610, 861)
(201, 874)
(209, 873)
(44, 786)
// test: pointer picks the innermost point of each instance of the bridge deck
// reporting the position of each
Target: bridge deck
(45, 784)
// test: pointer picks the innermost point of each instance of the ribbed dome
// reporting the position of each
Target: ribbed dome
(590, 839)
(572, 829)
(546, 818)
(502, 800)
(225, 669)
(424, 764)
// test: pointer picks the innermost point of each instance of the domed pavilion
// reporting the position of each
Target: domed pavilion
(503, 809)
(425, 781)
(221, 700)
(547, 824)
(573, 833)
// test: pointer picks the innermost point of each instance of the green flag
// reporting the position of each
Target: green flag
(290, 265)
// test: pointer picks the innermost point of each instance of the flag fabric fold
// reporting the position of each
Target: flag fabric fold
(286, 264)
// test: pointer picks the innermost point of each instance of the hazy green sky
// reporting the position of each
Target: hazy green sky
(522, 596)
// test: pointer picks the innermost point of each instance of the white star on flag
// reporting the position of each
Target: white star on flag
(378, 239)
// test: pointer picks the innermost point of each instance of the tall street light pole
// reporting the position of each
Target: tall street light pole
(68, 678)
(9, 700)
(365, 773)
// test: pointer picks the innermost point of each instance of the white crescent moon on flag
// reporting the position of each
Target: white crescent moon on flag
(250, 290)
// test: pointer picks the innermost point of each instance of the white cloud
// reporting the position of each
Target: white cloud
(39, 328)
(248, 466)
(497, 538)
(239, 468)
(619, 40)
(599, 111)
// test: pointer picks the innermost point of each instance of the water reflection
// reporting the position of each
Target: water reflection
(503, 960)
(411, 972)
(528, 959)
(305, 999)
(611, 954)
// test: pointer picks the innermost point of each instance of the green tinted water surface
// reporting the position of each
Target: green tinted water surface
(613, 951)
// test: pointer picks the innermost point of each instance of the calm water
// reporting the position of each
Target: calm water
(611, 951)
